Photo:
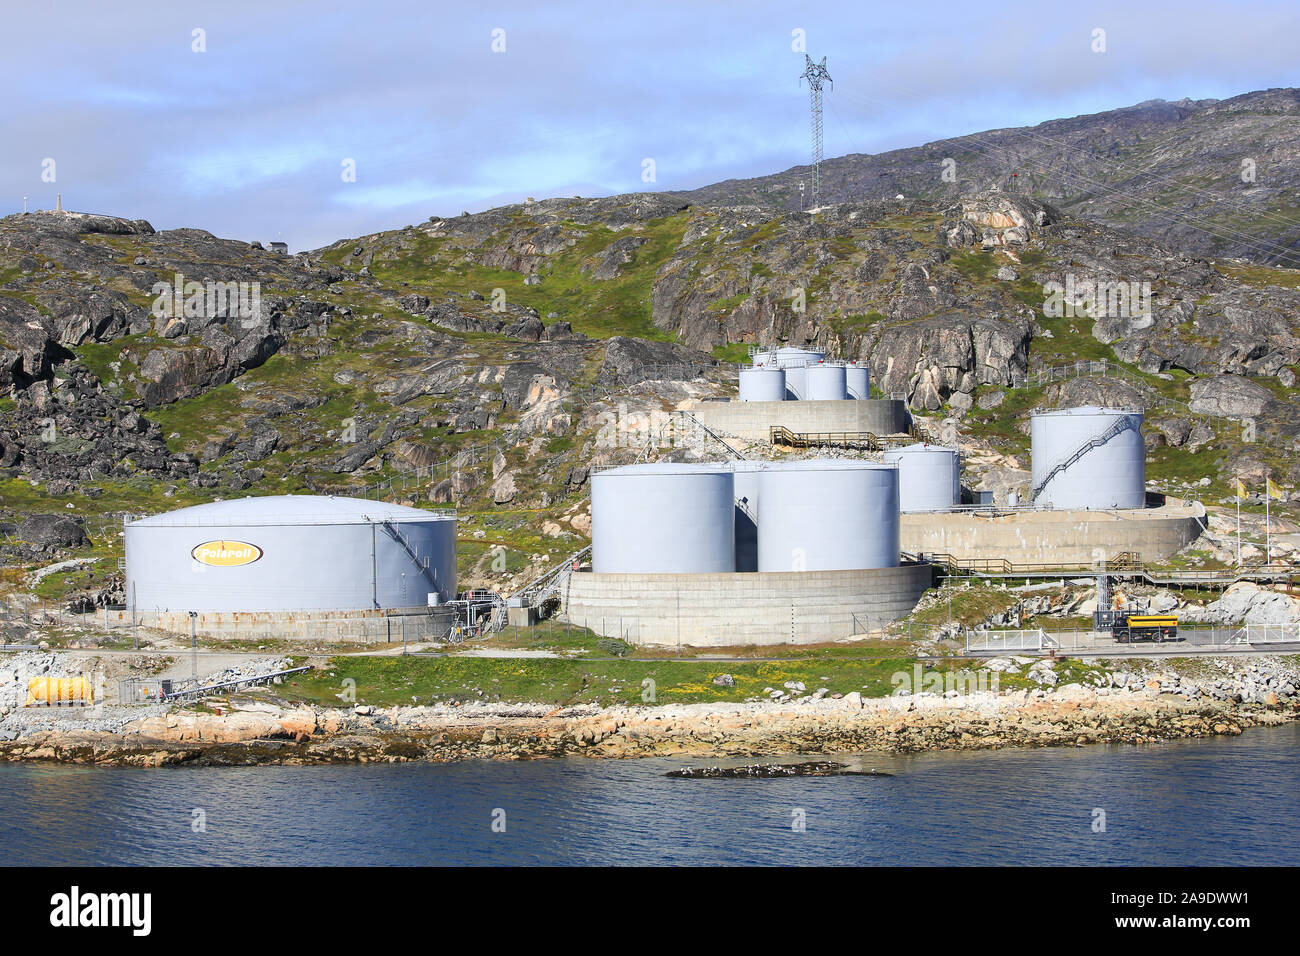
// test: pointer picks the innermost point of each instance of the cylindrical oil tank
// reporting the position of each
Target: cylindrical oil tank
(929, 477)
(746, 490)
(828, 515)
(796, 387)
(825, 382)
(290, 553)
(857, 381)
(762, 383)
(663, 518)
(1088, 457)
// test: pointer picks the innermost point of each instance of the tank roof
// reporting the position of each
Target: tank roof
(921, 446)
(290, 510)
(666, 468)
(1088, 410)
(828, 464)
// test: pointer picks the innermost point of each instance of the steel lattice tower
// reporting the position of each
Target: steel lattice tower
(815, 73)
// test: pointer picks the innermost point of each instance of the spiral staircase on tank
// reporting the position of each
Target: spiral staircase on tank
(1116, 427)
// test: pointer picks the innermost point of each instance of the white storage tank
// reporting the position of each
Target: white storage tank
(746, 491)
(290, 553)
(929, 477)
(663, 518)
(1088, 457)
(762, 383)
(825, 382)
(828, 515)
(796, 387)
(857, 381)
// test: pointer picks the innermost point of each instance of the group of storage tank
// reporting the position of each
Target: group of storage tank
(1088, 457)
(815, 515)
(796, 374)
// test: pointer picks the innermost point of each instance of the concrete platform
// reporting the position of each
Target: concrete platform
(730, 609)
(754, 420)
(1068, 538)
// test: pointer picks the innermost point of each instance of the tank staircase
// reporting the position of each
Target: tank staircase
(1116, 427)
(422, 563)
(537, 591)
(711, 434)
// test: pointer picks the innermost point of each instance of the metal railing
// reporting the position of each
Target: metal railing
(536, 591)
(233, 684)
(1191, 640)
(1103, 368)
(1256, 634)
(1028, 639)
(860, 441)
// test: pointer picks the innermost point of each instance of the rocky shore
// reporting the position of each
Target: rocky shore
(1229, 698)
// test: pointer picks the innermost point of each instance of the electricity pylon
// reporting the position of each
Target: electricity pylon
(815, 73)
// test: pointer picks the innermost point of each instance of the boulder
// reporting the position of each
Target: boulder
(1229, 396)
(47, 532)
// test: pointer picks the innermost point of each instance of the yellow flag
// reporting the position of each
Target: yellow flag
(1273, 490)
(1241, 489)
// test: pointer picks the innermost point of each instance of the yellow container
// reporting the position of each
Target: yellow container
(60, 692)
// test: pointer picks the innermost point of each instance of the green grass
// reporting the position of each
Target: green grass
(736, 353)
(396, 680)
(970, 605)
(621, 306)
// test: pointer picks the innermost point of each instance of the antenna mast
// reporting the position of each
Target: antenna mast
(815, 73)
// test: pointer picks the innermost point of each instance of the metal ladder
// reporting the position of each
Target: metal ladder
(1119, 425)
(422, 563)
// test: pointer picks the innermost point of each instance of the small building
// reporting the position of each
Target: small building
(280, 247)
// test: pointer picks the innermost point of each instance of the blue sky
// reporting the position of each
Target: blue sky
(248, 138)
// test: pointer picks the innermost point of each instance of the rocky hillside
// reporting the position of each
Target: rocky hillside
(1212, 177)
(487, 360)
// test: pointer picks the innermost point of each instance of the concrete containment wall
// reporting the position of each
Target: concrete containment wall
(722, 610)
(389, 625)
(754, 420)
(1067, 538)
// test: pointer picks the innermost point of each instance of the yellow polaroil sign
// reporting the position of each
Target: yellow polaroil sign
(226, 554)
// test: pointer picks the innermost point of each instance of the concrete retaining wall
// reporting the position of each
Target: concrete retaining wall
(754, 420)
(361, 627)
(1055, 537)
(721, 610)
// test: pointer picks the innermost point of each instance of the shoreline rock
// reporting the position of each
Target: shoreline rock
(270, 734)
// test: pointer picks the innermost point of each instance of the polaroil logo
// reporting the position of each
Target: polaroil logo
(226, 554)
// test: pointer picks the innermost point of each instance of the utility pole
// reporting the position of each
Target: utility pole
(816, 74)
